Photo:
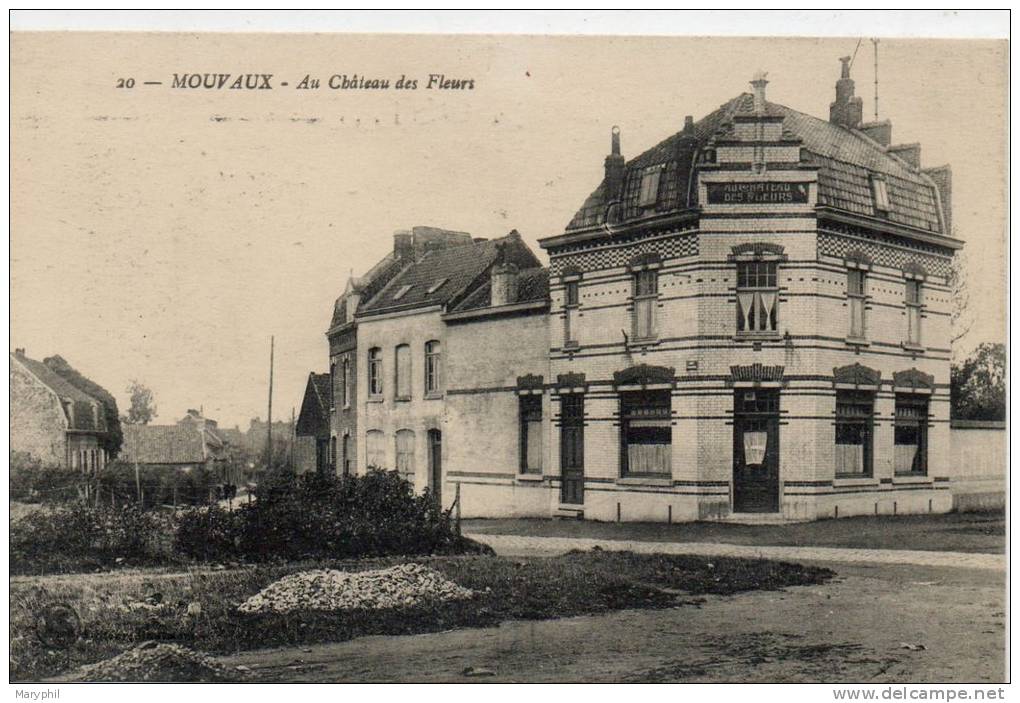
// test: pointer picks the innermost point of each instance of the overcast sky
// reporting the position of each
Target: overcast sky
(165, 234)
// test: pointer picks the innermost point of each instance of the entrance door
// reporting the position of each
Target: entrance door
(756, 451)
(436, 464)
(572, 449)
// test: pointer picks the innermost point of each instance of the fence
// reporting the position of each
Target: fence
(979, 466)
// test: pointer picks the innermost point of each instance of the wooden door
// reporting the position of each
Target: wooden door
(572, 449)
(436, 464)
(756, 451)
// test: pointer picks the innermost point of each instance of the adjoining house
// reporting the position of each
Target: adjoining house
(311, 445)
(52, 420)
(752, 316)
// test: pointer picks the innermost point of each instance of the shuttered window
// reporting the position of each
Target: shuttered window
(403, 372)
(405, 453)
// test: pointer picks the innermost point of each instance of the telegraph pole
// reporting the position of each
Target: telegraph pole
(269, 432)
(875, 43)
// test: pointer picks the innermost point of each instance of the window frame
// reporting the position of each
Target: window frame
(397, 436)
(865, 420)
(645, 296)
(380, 450)
(571, 302)
(433, 368)
(400, 378)
(648, 191)
(914, 305)
(764, 279)
(572, 429)
(529, 410)
(657, 408)
(920, 422)
(857, 299)
(374, 370)
(880, 194)
(346, 365)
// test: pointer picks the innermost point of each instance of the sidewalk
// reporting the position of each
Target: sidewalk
(515, 545)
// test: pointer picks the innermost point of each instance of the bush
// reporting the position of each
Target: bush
(32, 482)
(79, 537)
(323, 517)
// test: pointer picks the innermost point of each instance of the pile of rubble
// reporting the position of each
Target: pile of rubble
(164, 663)
(327, 589)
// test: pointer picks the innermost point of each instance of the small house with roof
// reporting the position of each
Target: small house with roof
(311, 444)
(52, 420)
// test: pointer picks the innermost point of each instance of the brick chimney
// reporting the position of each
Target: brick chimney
(403, 245)
(504, 284)
(911, 153)
(880, 131)
(614, 168)
(758, 84)
(847, 110)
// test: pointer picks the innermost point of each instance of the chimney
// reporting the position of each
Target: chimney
(403, 245)
(615, 168)
(847, 110)
(504, 284)
(688, 126)
(911, 153)
(881, 132)
(758, 84)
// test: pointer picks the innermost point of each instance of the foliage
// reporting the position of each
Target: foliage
(114, 437)
(143, 404)
(158, 485)
(978, 385)
(316, 516)
(81, 537)
(32, 482)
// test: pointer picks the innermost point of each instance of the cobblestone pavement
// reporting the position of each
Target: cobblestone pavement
(515, 545)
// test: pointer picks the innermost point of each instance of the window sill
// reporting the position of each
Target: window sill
(854, 480)
(642, 341)
(531, 477)
(912, 478)
(913, 347)
(402, 399)
(645, 481)
(571, 346)
(433, 396)
(374, 399)
(757, 337)
(858, 342)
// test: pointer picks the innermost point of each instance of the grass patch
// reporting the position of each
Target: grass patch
(111, 619)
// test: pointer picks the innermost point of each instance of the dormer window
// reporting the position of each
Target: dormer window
(880, 193)
(650, 186)
(402, 292)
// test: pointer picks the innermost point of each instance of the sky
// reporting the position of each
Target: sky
(165, 234)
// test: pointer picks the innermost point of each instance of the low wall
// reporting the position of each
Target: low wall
(979, 464)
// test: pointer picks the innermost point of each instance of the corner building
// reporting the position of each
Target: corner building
(752, 317)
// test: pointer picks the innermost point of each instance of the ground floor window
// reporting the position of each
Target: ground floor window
(531, 434)
(405, 452)
(646, 433)
(854, 412)
(572, 431)
(375, 450)
(910, 444)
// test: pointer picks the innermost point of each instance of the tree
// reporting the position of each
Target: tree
(978, 385)
(960, 318)
(143, 404)
(113, 438)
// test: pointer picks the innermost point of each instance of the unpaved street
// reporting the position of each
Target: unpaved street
(879, 623)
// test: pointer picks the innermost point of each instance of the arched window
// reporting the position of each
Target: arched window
(433, 368)
(375, 382)
(403, 372)
(405, 452)
(375, 450)
(347, 382)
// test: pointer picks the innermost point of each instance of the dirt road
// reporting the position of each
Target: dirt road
(878, 623)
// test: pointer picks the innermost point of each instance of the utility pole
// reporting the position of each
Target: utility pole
(269, 432)
(293, 439)
(875, 43)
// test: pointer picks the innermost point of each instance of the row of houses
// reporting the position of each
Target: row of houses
(752, 316)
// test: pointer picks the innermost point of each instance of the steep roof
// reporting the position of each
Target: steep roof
(532, 286)
(314, 416)
(162, 444)
(81, 419)
(443, 276)
(846, 159)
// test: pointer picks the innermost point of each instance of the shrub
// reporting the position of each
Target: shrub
(209, 533)
(32, 482)
(79, 536)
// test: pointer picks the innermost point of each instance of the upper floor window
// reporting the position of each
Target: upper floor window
(855, 287)
(650, 186)
(880, 192)
(403, 372)
(757, 297)
(433, 367)
(375, 380)
(854, 413)
(346, 390)
(646, 297)
(571, 298)
(913, 302)
(332, 384)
